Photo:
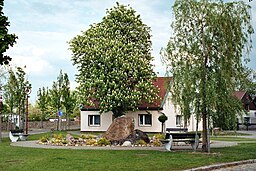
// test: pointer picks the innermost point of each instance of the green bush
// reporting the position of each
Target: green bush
(91, 142)
(87, 136)
(140, 142)
(44, 139)
(103, 141)
(157, 139)
(162, 118)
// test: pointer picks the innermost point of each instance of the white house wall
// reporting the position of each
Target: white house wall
(170, 111)
(252, 115)
(105, 120)
(156, 126)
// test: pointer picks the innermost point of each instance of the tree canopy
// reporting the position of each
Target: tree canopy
(6, 40)
(205, 57)
(113, 58)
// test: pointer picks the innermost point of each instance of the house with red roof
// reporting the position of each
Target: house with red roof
(250, 107)
(145, 118)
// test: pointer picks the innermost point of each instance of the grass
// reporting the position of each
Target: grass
(21, 158)
(233, 139)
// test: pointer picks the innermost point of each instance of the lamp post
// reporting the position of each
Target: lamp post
(27, 91)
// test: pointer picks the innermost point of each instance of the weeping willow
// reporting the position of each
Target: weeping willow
(205, 55)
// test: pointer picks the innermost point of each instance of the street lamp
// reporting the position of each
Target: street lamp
(27, 91)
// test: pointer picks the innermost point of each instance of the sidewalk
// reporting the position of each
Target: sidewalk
(30, 131)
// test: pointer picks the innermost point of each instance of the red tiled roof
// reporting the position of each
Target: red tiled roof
(161, 82)
(239, 94)
(244, 97)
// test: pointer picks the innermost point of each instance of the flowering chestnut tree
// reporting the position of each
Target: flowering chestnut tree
(113, 59)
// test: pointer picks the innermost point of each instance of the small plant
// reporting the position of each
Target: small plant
(103, 142)
(140, 142)
(159, 136)
(157, 139)
(64, 142)
(91, 142)
(44, 139)
(58, 136)
(87, 136)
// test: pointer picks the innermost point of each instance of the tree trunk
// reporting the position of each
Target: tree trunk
(205, 139)
(42, 125)
(1, 125)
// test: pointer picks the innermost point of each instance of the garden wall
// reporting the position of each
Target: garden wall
(47, 125)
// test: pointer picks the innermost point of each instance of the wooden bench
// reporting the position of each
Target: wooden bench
(176, 129)
(191, 138)
(17, 134)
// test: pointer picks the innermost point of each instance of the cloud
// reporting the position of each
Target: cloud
(44, 27)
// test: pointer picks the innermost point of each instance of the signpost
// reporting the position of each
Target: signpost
(60, 113)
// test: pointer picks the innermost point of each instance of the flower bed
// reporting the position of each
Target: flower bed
(92, 140)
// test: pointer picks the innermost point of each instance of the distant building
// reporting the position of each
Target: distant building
(249, 104)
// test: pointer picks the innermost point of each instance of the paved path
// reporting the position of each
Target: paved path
(243, 167)
(34, 144)
(31, 131)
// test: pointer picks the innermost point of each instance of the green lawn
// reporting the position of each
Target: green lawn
(233, 139)
(20, 158)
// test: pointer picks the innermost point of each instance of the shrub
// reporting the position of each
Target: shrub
(64, 142)
(103, 141)
(87, 136)
(58, 136)
(44, 139)
(157, 138)
(162, 118)
(91, 142)
(140, 142)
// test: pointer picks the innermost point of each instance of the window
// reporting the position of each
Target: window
(145, 120)
(178, 120)
(94, 120)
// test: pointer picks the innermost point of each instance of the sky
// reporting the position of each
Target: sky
(44, 27)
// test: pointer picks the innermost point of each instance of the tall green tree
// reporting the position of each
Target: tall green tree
(69, 99)
(205, 57)
(42, 102)
(15, 92)
(56, 96)
(21, 93)
(114, 58)
(61, 97)
(10, 95)
(6, 40)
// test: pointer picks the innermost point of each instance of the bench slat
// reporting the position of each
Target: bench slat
(182, 135)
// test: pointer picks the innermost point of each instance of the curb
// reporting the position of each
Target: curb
(222, 165)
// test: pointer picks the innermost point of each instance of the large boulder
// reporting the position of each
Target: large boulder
(138, 135)
(120, 129)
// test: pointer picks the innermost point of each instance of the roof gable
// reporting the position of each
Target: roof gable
(239, 94)
(163, 83)
(246, 99)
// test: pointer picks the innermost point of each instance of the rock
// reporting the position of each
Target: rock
(127, 144)
(138, 135)
(120, 129)
(69, 138)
